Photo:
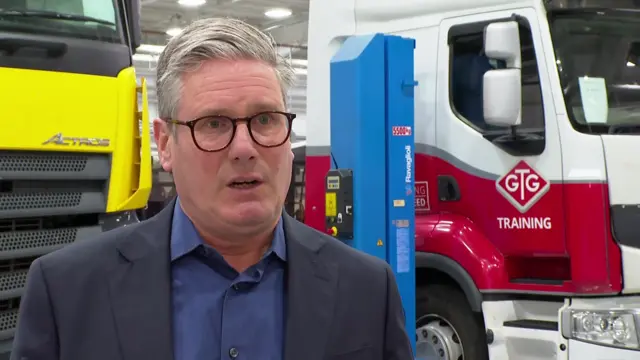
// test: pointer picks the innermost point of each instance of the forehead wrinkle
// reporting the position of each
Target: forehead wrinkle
(236, 92)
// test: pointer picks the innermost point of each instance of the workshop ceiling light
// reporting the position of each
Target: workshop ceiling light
(174, 31)
(192, 3)
(277, 13)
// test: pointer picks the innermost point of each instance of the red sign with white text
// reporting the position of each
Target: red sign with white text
(523, 186)
(401, 130)
(422, 196)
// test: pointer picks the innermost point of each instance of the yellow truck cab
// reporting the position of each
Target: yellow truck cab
(74, 146)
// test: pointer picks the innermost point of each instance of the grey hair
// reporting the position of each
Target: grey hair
(214, 39)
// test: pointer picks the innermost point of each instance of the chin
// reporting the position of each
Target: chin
(249, 213)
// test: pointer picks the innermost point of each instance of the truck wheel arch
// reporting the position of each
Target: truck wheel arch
(454, 270)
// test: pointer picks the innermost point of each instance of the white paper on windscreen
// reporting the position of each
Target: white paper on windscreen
(593, 92)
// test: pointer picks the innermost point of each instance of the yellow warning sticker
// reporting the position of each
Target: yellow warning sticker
(379, 243)
(331, 204)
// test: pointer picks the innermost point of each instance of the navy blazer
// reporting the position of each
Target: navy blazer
(109, 298)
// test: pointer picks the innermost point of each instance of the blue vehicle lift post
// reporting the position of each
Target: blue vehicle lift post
(370, 189)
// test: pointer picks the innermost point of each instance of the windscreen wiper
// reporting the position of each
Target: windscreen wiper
(52, 15)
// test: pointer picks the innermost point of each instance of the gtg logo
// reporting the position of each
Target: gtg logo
(522, 186)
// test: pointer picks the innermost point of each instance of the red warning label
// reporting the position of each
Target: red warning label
(401, 130)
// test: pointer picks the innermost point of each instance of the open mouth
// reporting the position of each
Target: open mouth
(245, 184)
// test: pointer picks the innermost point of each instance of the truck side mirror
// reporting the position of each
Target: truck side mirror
(502, 88)
(133, 18)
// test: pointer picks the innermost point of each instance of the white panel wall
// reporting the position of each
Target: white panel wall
(300, 125)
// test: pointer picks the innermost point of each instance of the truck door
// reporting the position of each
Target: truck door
(510, 188)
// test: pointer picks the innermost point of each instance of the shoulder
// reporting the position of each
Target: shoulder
(90, 255)
(350, 259)
(351, 262)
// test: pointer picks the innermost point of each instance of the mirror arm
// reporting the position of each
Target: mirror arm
(514, 132)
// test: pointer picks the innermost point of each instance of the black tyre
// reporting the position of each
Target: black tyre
(447, 328)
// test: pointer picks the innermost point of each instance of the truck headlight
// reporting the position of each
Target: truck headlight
(618, 328)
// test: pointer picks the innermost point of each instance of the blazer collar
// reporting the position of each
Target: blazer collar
(140, 290)
(312, 281)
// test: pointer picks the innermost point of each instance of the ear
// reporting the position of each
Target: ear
(162, 135)
(291, 154)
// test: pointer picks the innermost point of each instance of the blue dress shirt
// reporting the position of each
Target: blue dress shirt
(218, 313)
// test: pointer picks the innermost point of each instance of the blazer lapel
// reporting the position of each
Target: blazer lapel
(140, 291)
(311, 291)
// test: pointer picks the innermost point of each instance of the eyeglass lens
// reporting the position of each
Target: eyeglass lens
(216, 132)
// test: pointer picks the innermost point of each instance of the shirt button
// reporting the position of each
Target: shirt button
(233, 353)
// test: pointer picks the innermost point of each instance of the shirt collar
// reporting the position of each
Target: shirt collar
(185, 237)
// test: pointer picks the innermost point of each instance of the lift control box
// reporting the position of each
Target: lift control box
(339, 203)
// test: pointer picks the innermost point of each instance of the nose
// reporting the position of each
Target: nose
(242, 148)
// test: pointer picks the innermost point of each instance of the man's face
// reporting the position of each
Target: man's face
(204, 180)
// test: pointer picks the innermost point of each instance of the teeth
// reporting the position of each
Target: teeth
(243, 183)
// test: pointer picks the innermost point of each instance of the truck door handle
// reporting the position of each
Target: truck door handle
(53, 49)
(448, 189)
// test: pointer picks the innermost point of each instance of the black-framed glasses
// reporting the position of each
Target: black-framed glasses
(216, 132)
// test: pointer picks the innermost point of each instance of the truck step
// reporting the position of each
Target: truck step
(522, 329)
(538, 281)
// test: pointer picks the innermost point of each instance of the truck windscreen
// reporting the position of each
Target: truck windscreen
(84, 19)
(598, 59)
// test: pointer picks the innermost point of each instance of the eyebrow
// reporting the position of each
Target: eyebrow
(253, 109)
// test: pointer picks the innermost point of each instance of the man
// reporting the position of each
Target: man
(222, 272)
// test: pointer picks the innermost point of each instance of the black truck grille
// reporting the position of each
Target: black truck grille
(33, 162)
(47, 200)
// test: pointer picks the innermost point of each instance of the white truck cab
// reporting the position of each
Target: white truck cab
(527, 124)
